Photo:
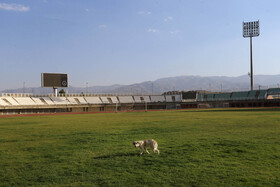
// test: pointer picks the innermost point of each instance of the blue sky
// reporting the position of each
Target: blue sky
(106, 42)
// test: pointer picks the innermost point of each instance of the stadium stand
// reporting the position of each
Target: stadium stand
(4, 103)
(114, 99)
(169, 98)
(157, 98)
(60, 100)
(142, 99)
(105, 100)
(24, 101)
(222, 96)
(178, 98)
(39, 101)
(78, 100)
(172, 98)
(239, 95)
(235, 96)
(47, 100)
(272, 91)
(72, 100)
(147, 99)
(126, 99)
(10, 101)
(92, 100)
(262, 94)
(200, 96)
(138, 99)
(210, 97)
(252, 94)
(109, 99)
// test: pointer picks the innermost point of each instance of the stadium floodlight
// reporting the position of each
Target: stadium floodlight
(251, 29)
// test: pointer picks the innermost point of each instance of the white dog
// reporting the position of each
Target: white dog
(144, 144)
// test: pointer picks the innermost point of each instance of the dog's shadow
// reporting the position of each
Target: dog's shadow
(110, 156)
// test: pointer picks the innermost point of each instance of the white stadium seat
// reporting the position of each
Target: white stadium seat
(104, 100)
(126, 99)
(114, 99)
(47, 100)
(72, 100)
(38, 101)
(80, 100)
(76, 100)
(3, 102)
(60, 100)
(93, 100)
(137, 99)
(173, 98)
(109, 99)
(157, 98)
(25, 101)
(10, 101)
(142, 99)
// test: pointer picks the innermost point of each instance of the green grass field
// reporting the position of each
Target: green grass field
(198, 148)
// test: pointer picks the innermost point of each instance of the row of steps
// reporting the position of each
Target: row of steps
(31, 101)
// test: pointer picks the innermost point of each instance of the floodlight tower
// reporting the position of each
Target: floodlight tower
(251, 29)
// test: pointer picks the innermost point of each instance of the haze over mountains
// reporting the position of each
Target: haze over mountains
(210, 83)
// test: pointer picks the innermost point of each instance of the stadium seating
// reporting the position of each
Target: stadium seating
(126, 99)
(80, 100)
(60, 100)
(222, 96)
(262, 94)
(76, 100)
(172, 98)
(114, 99)
(178, 98)
(138, 99)
(200, 97)
(210, 97)
(92, 100)
(47, 100)
(10, 101)
(239, 95)
(3, 102)
(142, 99)
(109, 99)
(272, 91)
(105, 100)
(169, 98)
(24, 101)
(147, 98)
(252, 94)
(39, 101)
(157, 98)
(73, 100)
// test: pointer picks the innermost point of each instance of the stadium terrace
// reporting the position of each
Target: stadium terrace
(16, 103)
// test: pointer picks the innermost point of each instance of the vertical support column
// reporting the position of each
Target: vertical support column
(251, 58)
(55, 92)
(146, 108)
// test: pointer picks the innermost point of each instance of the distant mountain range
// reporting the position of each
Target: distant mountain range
(210, 83)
